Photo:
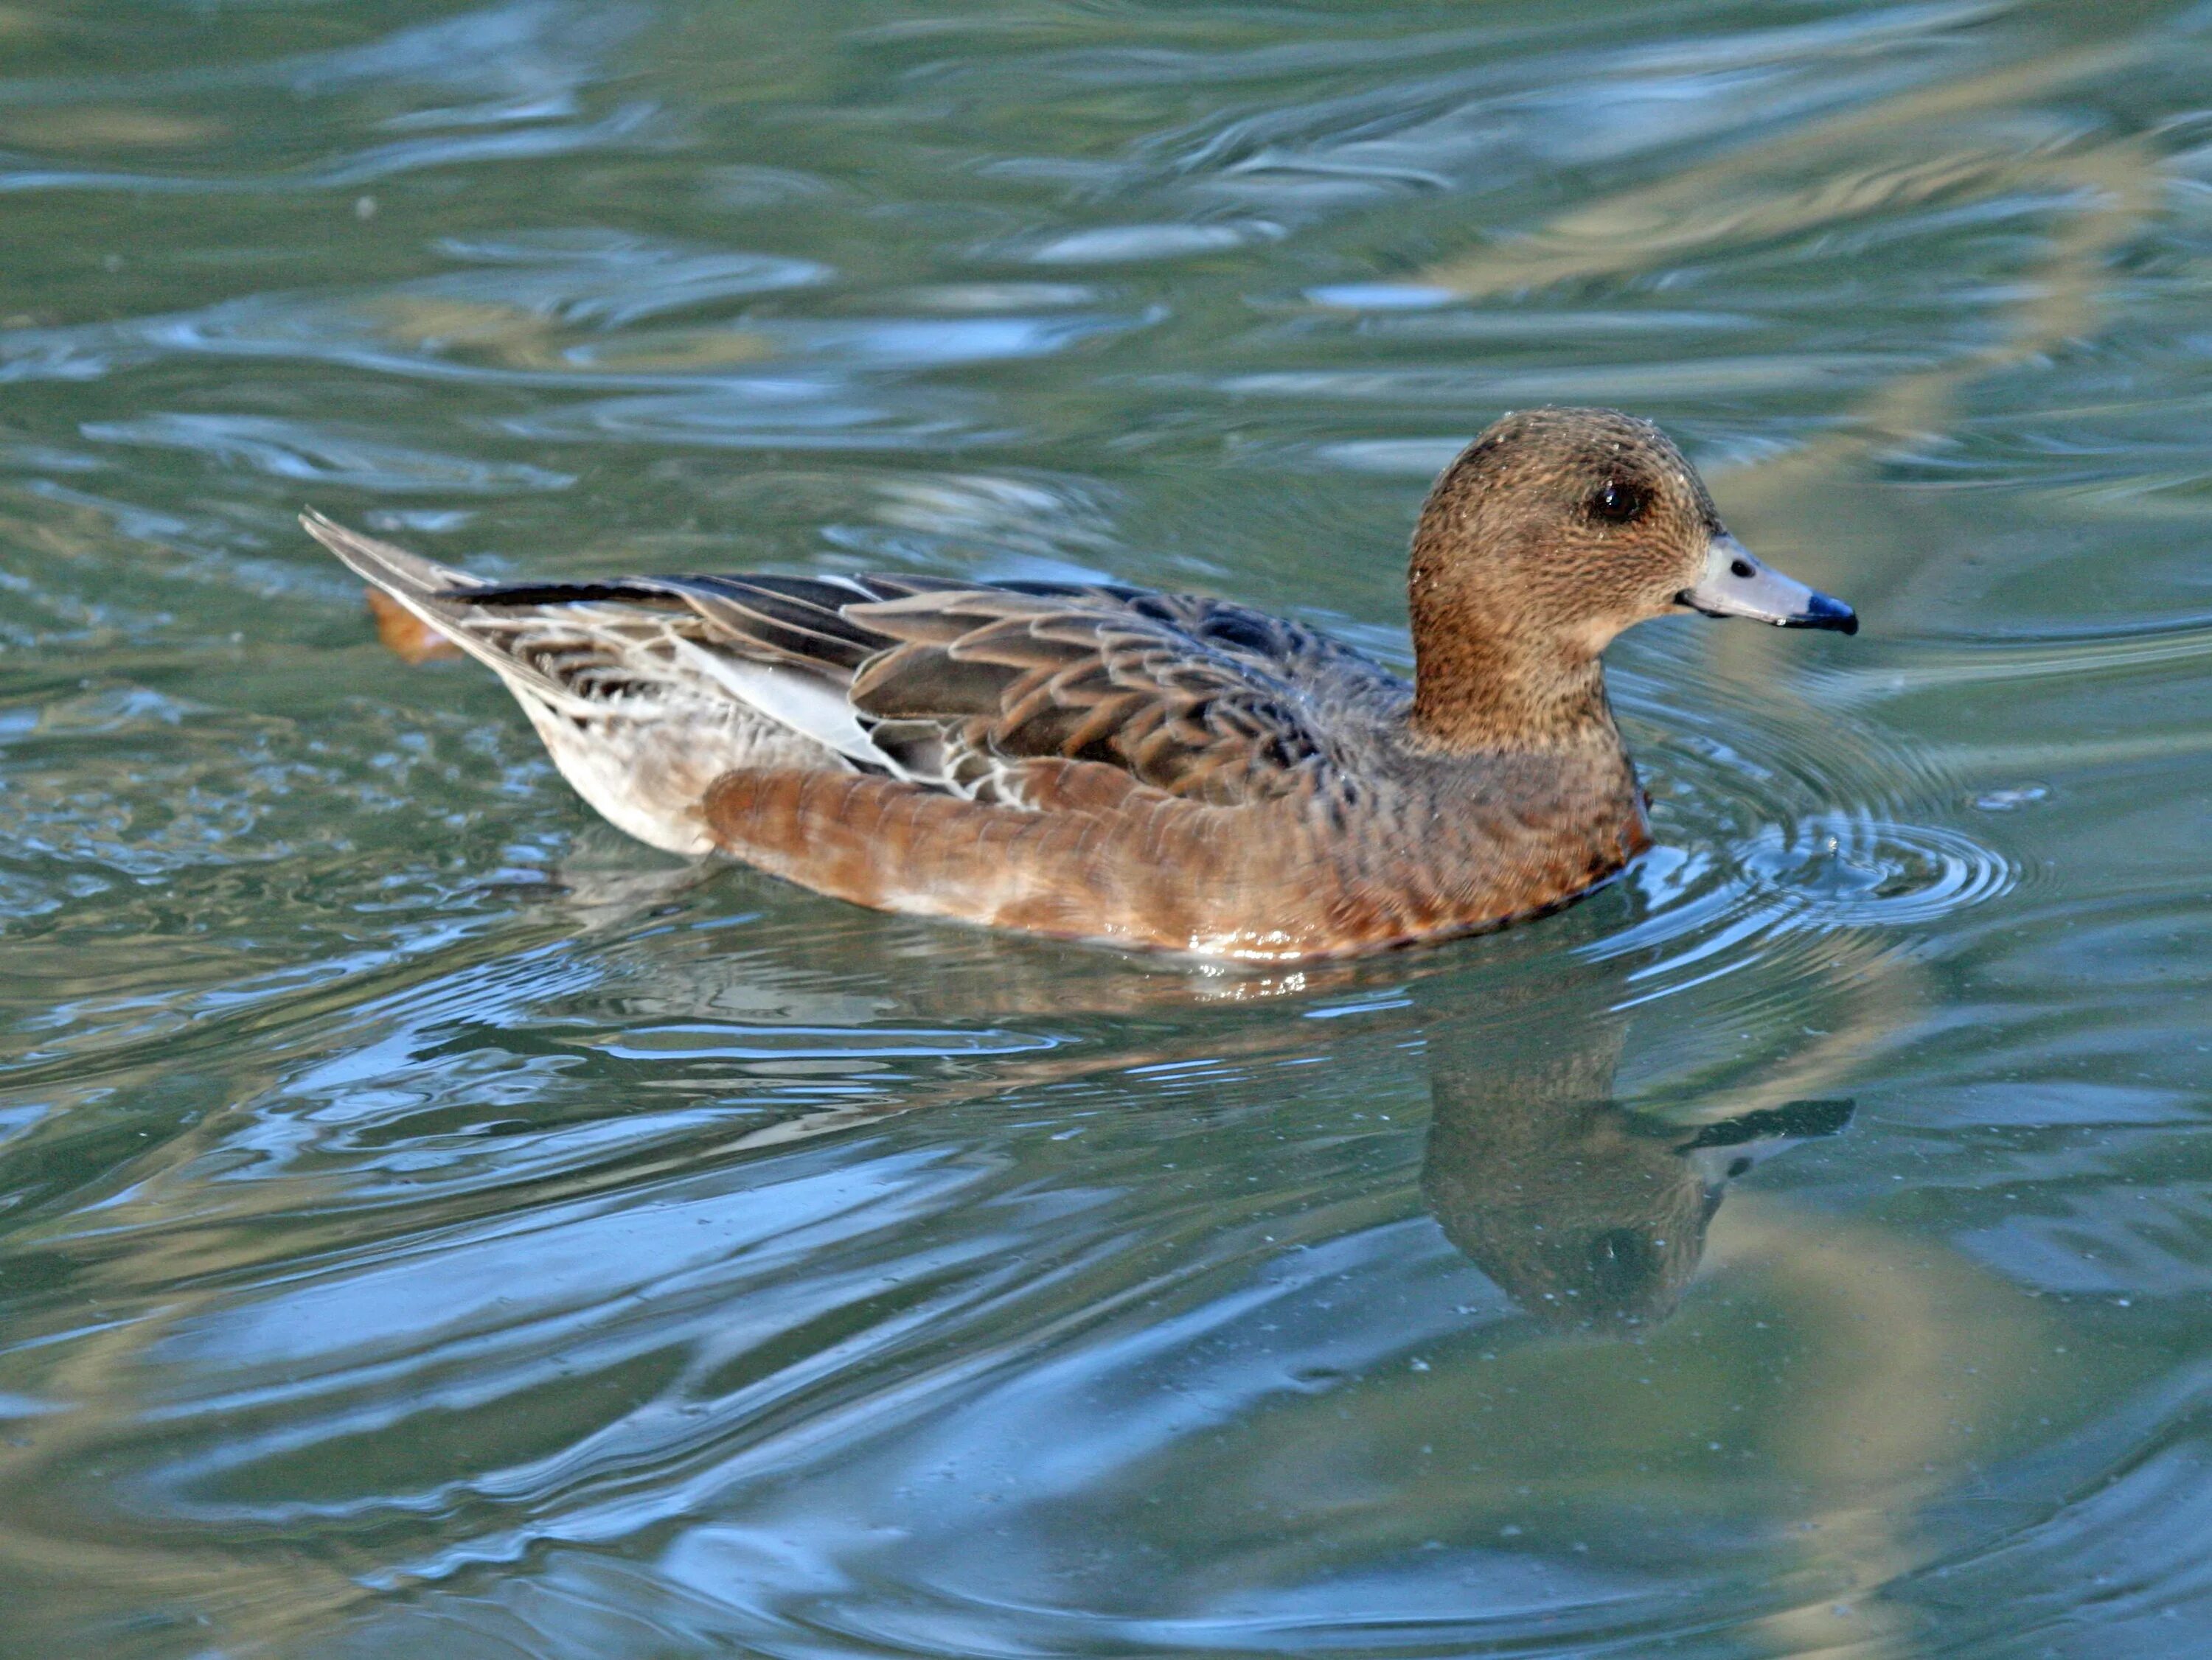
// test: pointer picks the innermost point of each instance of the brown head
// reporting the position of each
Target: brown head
(1553, 532)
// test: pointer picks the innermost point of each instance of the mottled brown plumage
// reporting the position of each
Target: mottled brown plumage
(1101, 762)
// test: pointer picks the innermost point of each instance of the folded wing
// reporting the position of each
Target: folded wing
(952, 686)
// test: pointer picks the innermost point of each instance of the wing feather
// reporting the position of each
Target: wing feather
(1122, 678)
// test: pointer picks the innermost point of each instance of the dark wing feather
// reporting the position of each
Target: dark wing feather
(796, 619)
(1010, 675)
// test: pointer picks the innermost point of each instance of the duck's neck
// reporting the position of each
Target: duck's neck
(1475, 693)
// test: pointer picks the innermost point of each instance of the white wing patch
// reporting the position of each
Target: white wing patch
(811, 706)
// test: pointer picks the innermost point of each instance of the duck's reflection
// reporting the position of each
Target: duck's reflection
(1583, 1209)
(1579, 1208)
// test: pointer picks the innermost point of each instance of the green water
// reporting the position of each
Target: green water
(433, 1226)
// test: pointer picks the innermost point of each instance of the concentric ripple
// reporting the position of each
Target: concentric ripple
(1780, 823)
(1853, 870)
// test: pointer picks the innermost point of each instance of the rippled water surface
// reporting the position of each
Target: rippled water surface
(432, 1225)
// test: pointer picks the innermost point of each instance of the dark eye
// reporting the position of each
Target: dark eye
(1618, 500)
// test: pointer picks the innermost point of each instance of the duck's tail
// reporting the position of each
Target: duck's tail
(415, 582)
(421, 588)
(632, 710)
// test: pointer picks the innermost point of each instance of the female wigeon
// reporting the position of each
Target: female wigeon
(1162, 770)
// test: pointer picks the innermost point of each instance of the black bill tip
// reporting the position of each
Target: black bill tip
(1822, 612)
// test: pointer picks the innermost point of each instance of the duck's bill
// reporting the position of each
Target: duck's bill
(1737, 585)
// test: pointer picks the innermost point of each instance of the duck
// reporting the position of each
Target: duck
(1162, 771)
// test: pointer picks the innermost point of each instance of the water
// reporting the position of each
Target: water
(432, 1225)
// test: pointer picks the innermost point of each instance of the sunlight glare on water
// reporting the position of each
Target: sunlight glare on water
(432, 1225)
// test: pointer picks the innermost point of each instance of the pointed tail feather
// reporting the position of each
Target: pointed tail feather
(422, 585)
(408, 581)
(409, 578)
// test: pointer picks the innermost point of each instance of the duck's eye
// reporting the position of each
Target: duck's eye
(1618, 500)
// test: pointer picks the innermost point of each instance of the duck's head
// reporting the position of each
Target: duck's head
(1556, 529)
